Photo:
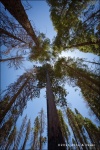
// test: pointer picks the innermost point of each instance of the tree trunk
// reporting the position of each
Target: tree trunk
(13, 58)
(18, 140)
(83, 44)
(76, 128)
(93, 15)
(12, 101)
(41, 134)
(27, 135)
(90, 136)
(55, 136)
(23, 148)
(17, 10)
(2, 31)
(92, 62)
(74, 134)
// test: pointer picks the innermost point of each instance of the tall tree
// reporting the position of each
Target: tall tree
(77, 33)
(19, 93)
(37, 137)
(5, 130)
(75, 71)
(11, 138)
(20, 133)
(81, 77)
(90, 127)
(80, 122)
(64, 127)
(54, 130)
(12, 34)
(76, 128)
(35, 140)
(93, 132)
(42, 139)
(91, 98)
(17, 10)
(28, 128)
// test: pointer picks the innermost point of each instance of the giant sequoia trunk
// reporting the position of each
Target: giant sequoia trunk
(2, 31)
(12, 101)
(16, 8)
(55, 136)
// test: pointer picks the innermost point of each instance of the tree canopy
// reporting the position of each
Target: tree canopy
(77, 26)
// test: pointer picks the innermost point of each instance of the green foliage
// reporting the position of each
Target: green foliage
(5, 129)
(64, 127)
(60, 96)
(36, 126)
(74, 32)
(58, 91)
(39, 125)
(41, 53)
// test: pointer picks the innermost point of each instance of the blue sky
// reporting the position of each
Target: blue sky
(39, 18)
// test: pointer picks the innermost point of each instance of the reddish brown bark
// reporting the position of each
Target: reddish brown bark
(55, 136)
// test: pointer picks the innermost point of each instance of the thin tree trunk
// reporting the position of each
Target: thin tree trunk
(83, 44)
(18, 140)
(2, 31)
(41, 134)
(12, 101)
(27, 135)
(92, 62)
(13, 58)
(77, 130)
(17, 10)
(23, 148)
(55, 136)
(93, 15)
(74, 134)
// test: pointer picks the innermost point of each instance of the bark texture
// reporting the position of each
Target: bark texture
(55, 136)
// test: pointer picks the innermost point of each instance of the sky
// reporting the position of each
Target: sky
(39, 17)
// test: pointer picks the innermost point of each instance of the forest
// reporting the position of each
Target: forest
(55, 72)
